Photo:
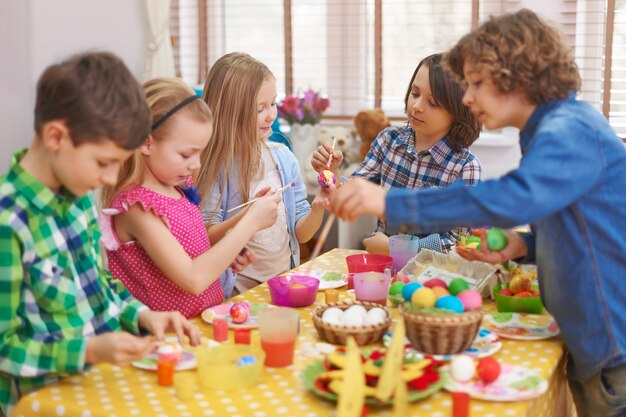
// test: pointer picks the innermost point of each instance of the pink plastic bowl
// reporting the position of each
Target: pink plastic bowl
(293, 290)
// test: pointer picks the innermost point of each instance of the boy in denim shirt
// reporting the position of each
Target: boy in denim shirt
(569, 186)
(59, 311)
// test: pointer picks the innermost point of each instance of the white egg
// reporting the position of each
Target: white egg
(462, 368)
(373, 319)
(358, 308)
(378, 312)
(333, 315)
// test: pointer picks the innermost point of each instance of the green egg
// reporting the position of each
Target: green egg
(396, 288)
(472, 239)
(496, 239)
(457, 285)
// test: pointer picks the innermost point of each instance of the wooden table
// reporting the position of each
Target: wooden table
(113, 391)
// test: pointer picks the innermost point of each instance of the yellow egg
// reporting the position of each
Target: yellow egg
(440, 292)
(424, 298)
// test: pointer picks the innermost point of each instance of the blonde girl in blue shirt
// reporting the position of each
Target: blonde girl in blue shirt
(240, 163)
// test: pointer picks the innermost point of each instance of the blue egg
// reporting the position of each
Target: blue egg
(409, 289)
(450, 302)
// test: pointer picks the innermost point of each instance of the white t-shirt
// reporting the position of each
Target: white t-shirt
(270, 245)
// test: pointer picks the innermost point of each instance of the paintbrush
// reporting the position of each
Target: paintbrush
(323, 235)
(330, 158)
(280, 190)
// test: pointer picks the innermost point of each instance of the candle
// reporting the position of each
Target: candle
(242, 336)
(332, 296)
(165, 372)
(220, 329)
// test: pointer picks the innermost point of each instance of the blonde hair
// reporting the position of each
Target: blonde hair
(162, 95)
(231, 90)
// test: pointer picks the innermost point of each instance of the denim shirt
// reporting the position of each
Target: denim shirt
(294, 198)
(571, 187)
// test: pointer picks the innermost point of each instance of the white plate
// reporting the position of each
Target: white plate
(515, 383)
(149, 363)
(521, 326)
(223, 311)
(324, 277)
(485, 344)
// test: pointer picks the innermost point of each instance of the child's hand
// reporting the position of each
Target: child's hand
(160, 322)
(264, 212)
(319, 159)
(117, 348)
(377, 243)
(358, 197)
(245, 258)
(322, 197)
(515, 248)
(263, 191)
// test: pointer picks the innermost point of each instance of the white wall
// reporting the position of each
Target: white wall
(37, 33)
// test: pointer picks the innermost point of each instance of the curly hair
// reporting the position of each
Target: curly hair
(519, 50)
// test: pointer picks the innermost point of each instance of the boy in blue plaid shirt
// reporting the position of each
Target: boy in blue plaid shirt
(430, 151)
(59, 309)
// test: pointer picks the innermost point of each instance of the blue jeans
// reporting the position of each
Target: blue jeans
(602, 395)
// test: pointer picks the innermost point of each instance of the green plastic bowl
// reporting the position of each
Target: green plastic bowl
(509, 304)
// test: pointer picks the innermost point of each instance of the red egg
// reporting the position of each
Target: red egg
(506, 291)
(435, 282)
(240, 312)
(488, 369)
(524, 294)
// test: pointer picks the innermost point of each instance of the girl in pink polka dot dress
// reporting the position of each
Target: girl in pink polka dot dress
(155, 238)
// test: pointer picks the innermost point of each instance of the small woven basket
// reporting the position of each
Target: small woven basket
(337, 335)
(441, 334)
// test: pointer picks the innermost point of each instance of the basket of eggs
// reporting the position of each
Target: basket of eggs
(366, 322)
(441, 318)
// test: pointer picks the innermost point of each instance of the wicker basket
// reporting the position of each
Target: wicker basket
(337, 335)
(441, 334)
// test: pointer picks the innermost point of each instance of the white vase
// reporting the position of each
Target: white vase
(304, 142)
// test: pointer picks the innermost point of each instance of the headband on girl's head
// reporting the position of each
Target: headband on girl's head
(169, 114)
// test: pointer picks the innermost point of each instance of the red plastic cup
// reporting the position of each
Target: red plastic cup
(366, 262)
(460, 404)
(220, 329)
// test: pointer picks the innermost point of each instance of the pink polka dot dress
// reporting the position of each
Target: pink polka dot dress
(130, 263)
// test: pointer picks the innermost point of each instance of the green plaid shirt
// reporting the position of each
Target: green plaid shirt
(54, 291)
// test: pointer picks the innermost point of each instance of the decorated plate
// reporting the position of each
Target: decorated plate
(327, 279)
(310, 373)
(223, 311)
(149, 363)
(485, 344)
(521, 326)
(515, 383)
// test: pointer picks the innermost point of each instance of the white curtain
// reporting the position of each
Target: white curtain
(160, 59)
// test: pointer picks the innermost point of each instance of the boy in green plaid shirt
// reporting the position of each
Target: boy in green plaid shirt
(59, 309)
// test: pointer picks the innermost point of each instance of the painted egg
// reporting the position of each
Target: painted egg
(496, 239)
(423, 298)
(450, 302)
(409, 289)
(326, 178)
(457, 285)
(240, 312)
(488, 369)
(435, 282)
(440, 292)
(471, 299)
(462, 368)
(396, 288)
(521, 282)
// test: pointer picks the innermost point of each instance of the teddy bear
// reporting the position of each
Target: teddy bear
(368, 124)
(345, 141)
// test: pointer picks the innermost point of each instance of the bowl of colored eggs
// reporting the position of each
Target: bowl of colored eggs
(293, 290)
(441, 318)
(527, 301)
(366, 322)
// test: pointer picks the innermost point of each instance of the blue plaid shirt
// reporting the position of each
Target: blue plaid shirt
(392, 161)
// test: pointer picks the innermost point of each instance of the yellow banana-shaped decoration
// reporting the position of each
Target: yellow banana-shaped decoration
(393, 363)
(352, 394)
(400, 400)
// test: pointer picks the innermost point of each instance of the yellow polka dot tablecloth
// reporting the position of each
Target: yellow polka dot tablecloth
(111, 391)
